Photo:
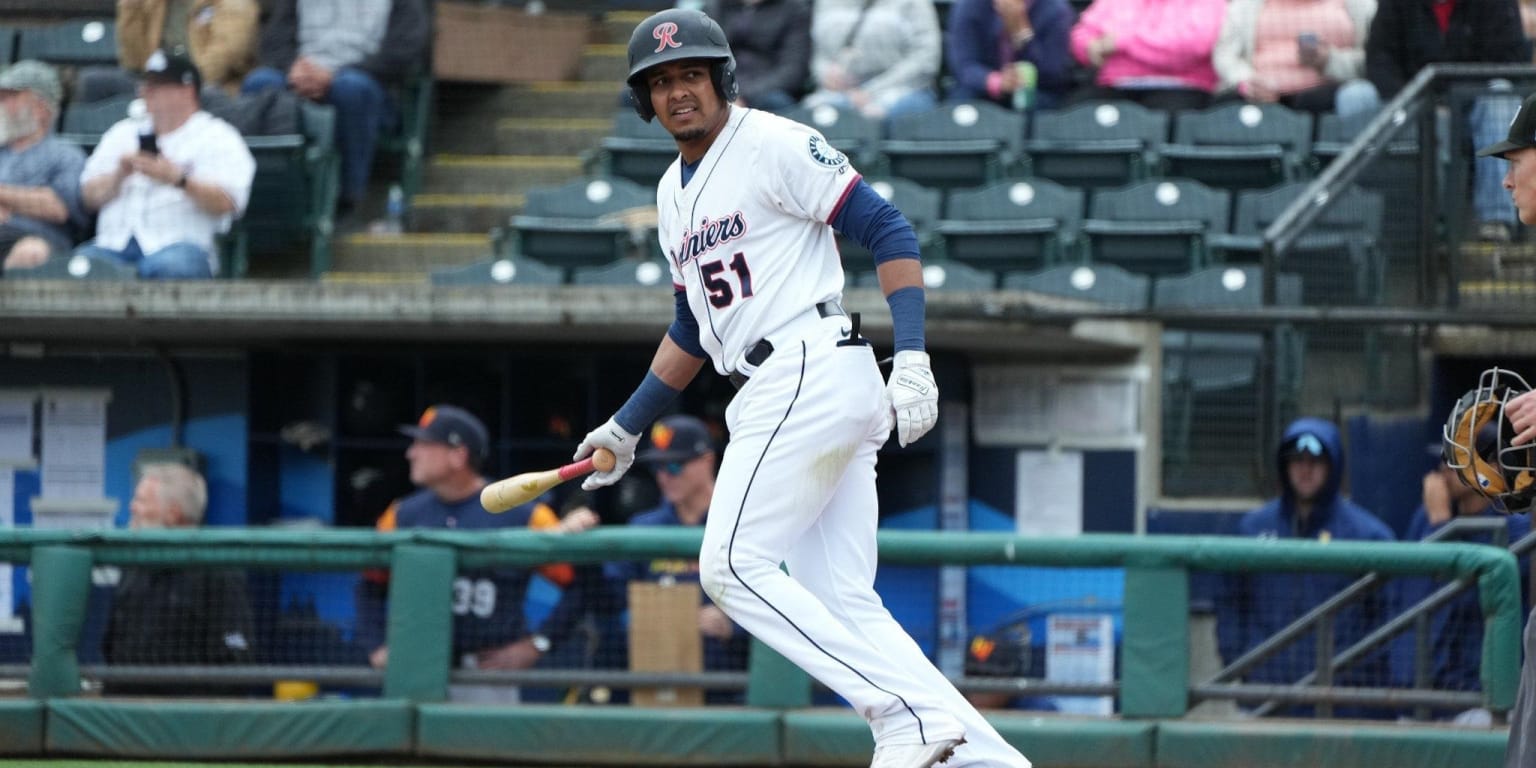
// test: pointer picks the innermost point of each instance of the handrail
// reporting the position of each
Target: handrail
(1365, 147)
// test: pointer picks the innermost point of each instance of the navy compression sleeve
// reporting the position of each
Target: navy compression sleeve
(877, 225)
(684, 330)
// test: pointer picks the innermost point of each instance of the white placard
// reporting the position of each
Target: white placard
(16, 425)
(72, 514)
(74, 444)
(1080, 648)
(1058, 405)
(1048, 493)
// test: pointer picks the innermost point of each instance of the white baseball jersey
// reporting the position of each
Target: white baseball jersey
(749, 236)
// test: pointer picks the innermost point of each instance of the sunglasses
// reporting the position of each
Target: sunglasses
(672, 467)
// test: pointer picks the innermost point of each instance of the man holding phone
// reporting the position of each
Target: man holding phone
(167, 184)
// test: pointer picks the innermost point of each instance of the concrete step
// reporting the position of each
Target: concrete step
(411, 253)
(474, 102)
(497, 174)
(550, 136)
(617, 26)
(462, 212)
(605, 63)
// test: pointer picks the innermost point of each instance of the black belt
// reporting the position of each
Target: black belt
(758, 353)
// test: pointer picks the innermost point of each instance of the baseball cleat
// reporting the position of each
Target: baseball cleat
(915, 755)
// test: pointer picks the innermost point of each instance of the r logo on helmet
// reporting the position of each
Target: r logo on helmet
(664, 33)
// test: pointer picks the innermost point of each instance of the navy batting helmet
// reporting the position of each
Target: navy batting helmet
(673, 35)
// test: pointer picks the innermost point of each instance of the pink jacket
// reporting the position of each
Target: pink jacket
(1153, 38)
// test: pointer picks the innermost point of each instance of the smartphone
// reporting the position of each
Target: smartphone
(1306, 43)
(147, 144)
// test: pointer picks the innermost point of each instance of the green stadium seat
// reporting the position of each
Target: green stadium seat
(919, 204)
(849, 131)
(954, 276)
(500, 272)
(1338, 252)
(1021, 225)
(410, 135)
(84, 123)
(1103, 284)
(1223, 287)
(1155, 227)
(955, 145)
(7, 45)
(293, 195)
(644, 273)
(578, 224)
(1096, 145)
(1239, 146)
(636, 150)
(80, 43)
(76, 267)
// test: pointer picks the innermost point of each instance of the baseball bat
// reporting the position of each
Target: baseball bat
(503, 495)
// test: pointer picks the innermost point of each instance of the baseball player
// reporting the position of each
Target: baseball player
(746, 216)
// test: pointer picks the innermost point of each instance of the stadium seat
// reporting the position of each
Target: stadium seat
(1155, 227)
(1338, 252)
(954, 146)
(585, 223)
(1021, 225)
(1226, 287)
(1394, 174)
(7, 45)
(293, 195)
(78, 43)
(849, 131)
(408, 139)
(1096, 145)
(500, 272)
(1104, 284)
(917, 203)
(1239, 146)
(76, 267)
(953, 276)
(637, 150)
(84, 123)
(639, 272)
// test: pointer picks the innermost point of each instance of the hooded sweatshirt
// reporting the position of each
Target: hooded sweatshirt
(1255, 606)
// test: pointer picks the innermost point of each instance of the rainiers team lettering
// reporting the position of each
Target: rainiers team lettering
(711, 234)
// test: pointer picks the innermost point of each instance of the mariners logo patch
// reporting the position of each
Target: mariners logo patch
(824, 153)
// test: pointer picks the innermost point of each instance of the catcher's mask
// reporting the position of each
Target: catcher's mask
(1476, 442)
(673, 35)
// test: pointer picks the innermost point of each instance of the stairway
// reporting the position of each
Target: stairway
(488, 146)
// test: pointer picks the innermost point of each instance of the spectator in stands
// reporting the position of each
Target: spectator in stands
(771, 40)
(877, 56)
(1406, 35)
(682, 457)
(219, 34)
(1258, 605)
(1306, 55)
(350, 54)
(449, 447)
(988, 39)
(40, 209)
(1154, 52)
(1455, 634)
(176, 616)
(165, 189)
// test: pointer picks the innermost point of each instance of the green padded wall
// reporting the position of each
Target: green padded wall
(21, 727)
(600, 735)
(175, 729)
(840, 738)
(1311, 745)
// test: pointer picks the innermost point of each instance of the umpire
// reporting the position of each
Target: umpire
(1519, 148)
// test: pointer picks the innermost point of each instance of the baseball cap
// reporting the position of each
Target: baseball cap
(172, 66)
(34, 76)
(1304, 444)
(450, 425)
(677, 438)
(1522, 131)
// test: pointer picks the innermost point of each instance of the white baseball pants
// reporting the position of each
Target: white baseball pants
(797, 485)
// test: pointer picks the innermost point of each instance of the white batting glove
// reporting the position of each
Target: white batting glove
(914, 396)
(613, 437)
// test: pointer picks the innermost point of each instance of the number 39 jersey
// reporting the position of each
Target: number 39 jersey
(749, 236)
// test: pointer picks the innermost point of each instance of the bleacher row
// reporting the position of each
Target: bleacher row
(293, 195)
